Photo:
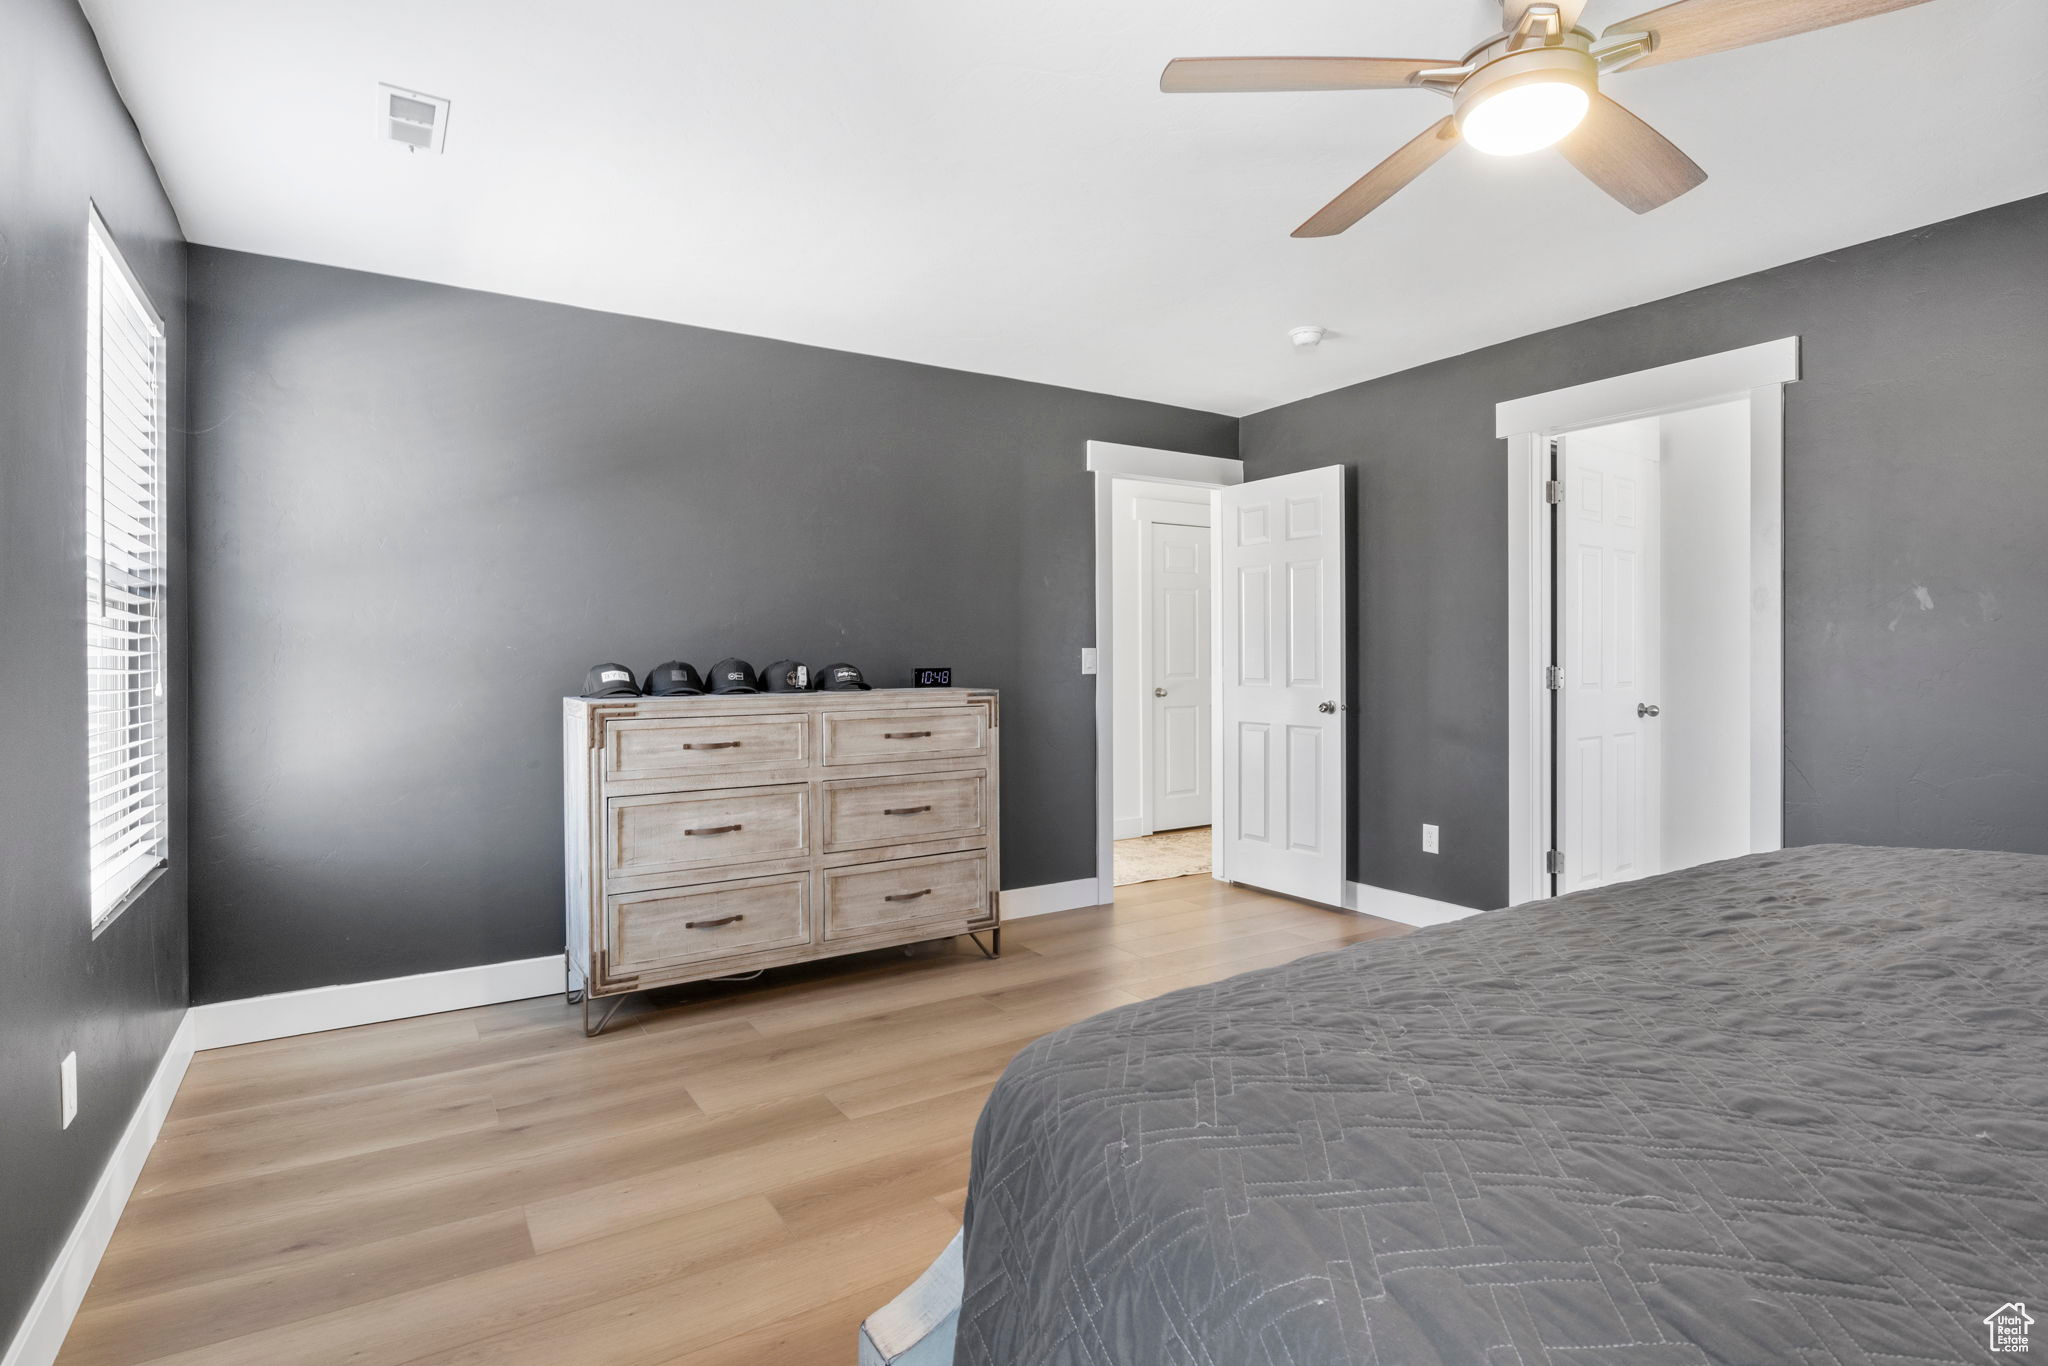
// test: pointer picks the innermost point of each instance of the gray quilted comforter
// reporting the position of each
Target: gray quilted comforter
(1788, 1108)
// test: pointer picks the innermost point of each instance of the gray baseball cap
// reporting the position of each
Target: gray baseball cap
(731, 675)
(841, 678)
(610, 680)
(673, 679)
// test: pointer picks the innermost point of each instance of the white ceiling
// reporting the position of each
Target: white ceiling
(1001, 187)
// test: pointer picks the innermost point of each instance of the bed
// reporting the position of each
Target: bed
(1787, 1108)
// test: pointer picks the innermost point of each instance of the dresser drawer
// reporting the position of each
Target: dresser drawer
(648, 931)
(871, 897)
(870, 737)
(862, 813)
(665, 748)
(676, 831)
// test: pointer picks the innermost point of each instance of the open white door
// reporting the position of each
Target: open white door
(1609, 806)
(1280, 689)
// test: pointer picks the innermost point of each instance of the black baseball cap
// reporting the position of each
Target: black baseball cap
(609, 680)
(673, 679)
(733, 675)
(786, 675)
(841, 678)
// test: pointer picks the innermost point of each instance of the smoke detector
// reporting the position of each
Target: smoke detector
(1306, 338)
(415, 121)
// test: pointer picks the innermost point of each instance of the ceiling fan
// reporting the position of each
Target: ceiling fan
(1534, 84)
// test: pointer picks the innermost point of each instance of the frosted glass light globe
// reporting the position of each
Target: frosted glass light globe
(1524, 118)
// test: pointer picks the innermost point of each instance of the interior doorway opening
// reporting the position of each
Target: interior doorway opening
(1699, 619)
(1652, 711)
(1161, 679)
(1275, 651)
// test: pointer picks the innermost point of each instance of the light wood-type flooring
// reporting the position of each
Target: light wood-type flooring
(733, 1174)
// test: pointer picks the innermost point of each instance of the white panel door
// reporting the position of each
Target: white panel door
(1280, 694)
(1609, 787)
(1177, 674)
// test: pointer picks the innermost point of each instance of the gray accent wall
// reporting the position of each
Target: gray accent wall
(421, 512)
(65, 140)
(1916, 549)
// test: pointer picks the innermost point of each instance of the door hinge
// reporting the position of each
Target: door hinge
(1553, 676)
(1553, 862)
(1553, 490)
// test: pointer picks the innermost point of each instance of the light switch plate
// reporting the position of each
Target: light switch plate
(67, 1074)
(1429, 839)
(1087, 659)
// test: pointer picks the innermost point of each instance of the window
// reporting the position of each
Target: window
(124, 578)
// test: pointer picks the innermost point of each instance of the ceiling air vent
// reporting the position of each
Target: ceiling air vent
(415, 121)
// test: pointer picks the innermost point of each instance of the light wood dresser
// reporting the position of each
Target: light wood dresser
(708, 836)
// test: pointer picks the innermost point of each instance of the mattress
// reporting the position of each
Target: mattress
(1788, 1108)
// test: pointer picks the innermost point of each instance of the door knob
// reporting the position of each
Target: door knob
(1326, 707)
(1648, 709)
(1159, 692)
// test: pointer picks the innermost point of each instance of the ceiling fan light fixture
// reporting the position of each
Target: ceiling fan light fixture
(1526, 100)
(1526, 118)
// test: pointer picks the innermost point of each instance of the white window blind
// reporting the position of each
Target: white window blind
(124, 578)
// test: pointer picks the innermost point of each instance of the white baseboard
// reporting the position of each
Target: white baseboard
(226, 1023)
(1404, 907)
(63, 1290)
(252, 1019)
(1047, 897)
(1129, 828)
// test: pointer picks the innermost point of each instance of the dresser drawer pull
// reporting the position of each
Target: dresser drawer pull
(712, 830)
(905, 810)
(713, 924)
(908, 896)
(722, 744)
(906, 735)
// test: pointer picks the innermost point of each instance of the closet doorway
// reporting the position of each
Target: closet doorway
(1646, 620)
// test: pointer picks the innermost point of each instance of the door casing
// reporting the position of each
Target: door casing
(1529, 425)
(1109, 461)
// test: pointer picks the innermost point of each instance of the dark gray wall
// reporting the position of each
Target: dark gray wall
(65, 138)
(1914, 460)
(420, 513)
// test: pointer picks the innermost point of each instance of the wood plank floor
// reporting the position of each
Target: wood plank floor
(733, 1174)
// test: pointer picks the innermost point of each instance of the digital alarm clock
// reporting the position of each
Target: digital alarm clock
(931, 678)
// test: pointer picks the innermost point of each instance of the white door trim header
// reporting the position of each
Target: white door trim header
(1166, 467)
(1683, 384)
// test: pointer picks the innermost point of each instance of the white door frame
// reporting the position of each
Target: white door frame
(1109, 461)
(1758, 373)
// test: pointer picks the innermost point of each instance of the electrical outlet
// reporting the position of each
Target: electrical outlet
(67, 1077)
(1087, 659)
(1429, 839)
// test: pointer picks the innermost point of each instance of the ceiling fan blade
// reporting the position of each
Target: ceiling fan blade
(1628, 158)
(1695, 28)
(1380, 184)
(1215, 75)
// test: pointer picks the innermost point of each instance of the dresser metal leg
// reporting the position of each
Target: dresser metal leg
(994, 947)
(604, 1018)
